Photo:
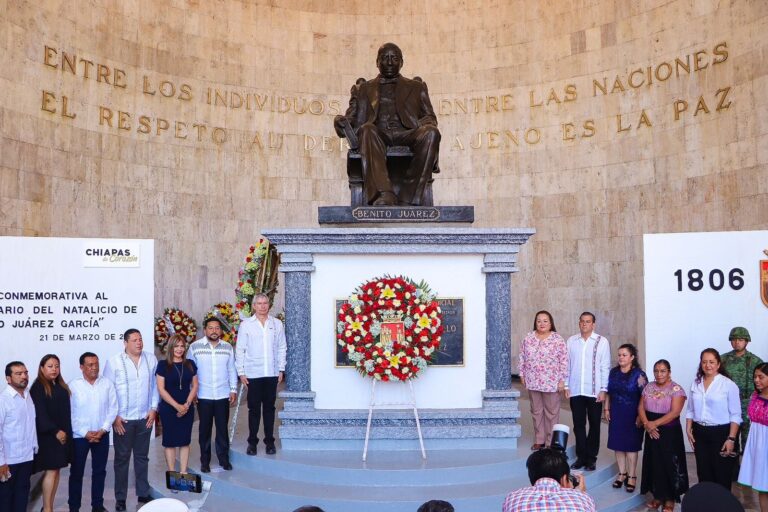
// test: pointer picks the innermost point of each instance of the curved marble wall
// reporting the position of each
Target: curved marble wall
(199, 123)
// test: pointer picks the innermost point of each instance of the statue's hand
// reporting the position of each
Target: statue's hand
(338, 125)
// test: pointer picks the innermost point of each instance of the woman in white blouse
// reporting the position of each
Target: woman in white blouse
(713, 419)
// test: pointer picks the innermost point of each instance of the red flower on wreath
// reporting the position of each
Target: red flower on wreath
(390, 327)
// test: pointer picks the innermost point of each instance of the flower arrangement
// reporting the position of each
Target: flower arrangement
(229, 319)
(389, 328)
(174, 321)
(257, 275)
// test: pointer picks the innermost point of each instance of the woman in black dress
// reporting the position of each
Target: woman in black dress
(50, 394)
(177, 385)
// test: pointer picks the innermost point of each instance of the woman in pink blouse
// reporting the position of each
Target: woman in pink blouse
(665, 470)
(543, 368)
(754, 465)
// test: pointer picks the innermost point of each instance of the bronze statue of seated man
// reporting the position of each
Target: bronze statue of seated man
(389, 111)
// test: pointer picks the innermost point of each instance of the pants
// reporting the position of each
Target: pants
(99, 452)
(136, 441)
(262, 393)
(14, 494)
(710, 465)
(424, 141)
(210, 411)
(586, 408)
(545, 411)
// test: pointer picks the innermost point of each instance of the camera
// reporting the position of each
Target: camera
(559, 443)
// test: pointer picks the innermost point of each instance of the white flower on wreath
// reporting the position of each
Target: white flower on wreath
(356, 356)
(420, 363)
(375, 327)
(369, 365)
(408, 322)
(340, 327)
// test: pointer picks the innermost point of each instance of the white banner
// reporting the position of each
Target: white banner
(66, 296)
(697, 287)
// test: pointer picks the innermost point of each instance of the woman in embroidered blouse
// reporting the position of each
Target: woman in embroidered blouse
(754, 465)
(543, 368)
(625, 385)
(713, 419)
(665, 471)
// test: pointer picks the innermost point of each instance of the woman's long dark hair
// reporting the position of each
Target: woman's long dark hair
(762, 368)
(721, 369)
(632, 351)
(169, 351)
(47, 384)
(549, 315)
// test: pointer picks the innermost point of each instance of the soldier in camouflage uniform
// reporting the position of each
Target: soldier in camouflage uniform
(740, 365)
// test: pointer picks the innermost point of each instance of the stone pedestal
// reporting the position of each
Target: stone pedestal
(492, 423)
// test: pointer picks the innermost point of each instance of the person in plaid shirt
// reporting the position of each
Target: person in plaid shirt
(552, 490)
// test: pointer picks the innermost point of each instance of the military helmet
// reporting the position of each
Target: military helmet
(739, 333)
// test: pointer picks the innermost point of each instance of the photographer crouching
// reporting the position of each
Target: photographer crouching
(553, 487)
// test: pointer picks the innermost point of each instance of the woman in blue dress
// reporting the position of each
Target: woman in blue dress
(177, 385)
(625, 436)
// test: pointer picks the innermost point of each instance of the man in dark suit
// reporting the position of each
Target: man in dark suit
(392, 110)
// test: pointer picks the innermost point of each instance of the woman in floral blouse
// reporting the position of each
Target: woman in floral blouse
(543, 371)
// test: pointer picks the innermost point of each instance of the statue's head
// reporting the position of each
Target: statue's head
(389, 60)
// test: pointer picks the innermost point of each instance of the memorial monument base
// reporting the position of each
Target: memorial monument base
(494, 425)
(469, 404)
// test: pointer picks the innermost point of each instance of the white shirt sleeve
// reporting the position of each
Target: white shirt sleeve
(3, 459)
(232, 373)
(111, 407)
(282, 347)
(605, 364)
(154, 394)
(734, 402)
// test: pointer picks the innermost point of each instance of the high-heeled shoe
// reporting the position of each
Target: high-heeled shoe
(620, 480)
(630, 487)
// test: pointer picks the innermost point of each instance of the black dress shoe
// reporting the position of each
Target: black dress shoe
(99, 509)
(145, 499)
(577, 465)
(251, 450)
(589, 467)
(271, 449)
(227, 466)
(120, 506)
(205, 468)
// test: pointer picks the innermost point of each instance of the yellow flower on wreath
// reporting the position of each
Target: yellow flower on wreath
(388, 293)
(424, 321)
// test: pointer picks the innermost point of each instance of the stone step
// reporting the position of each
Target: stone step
(339, 481)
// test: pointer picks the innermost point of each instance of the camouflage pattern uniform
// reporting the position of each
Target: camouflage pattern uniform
(741, 370)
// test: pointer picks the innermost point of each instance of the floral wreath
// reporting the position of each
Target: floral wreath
(229, 319)
(257, 275)
(174, 321)
(389, 328)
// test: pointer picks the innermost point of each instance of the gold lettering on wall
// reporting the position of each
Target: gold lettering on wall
(546, 97)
